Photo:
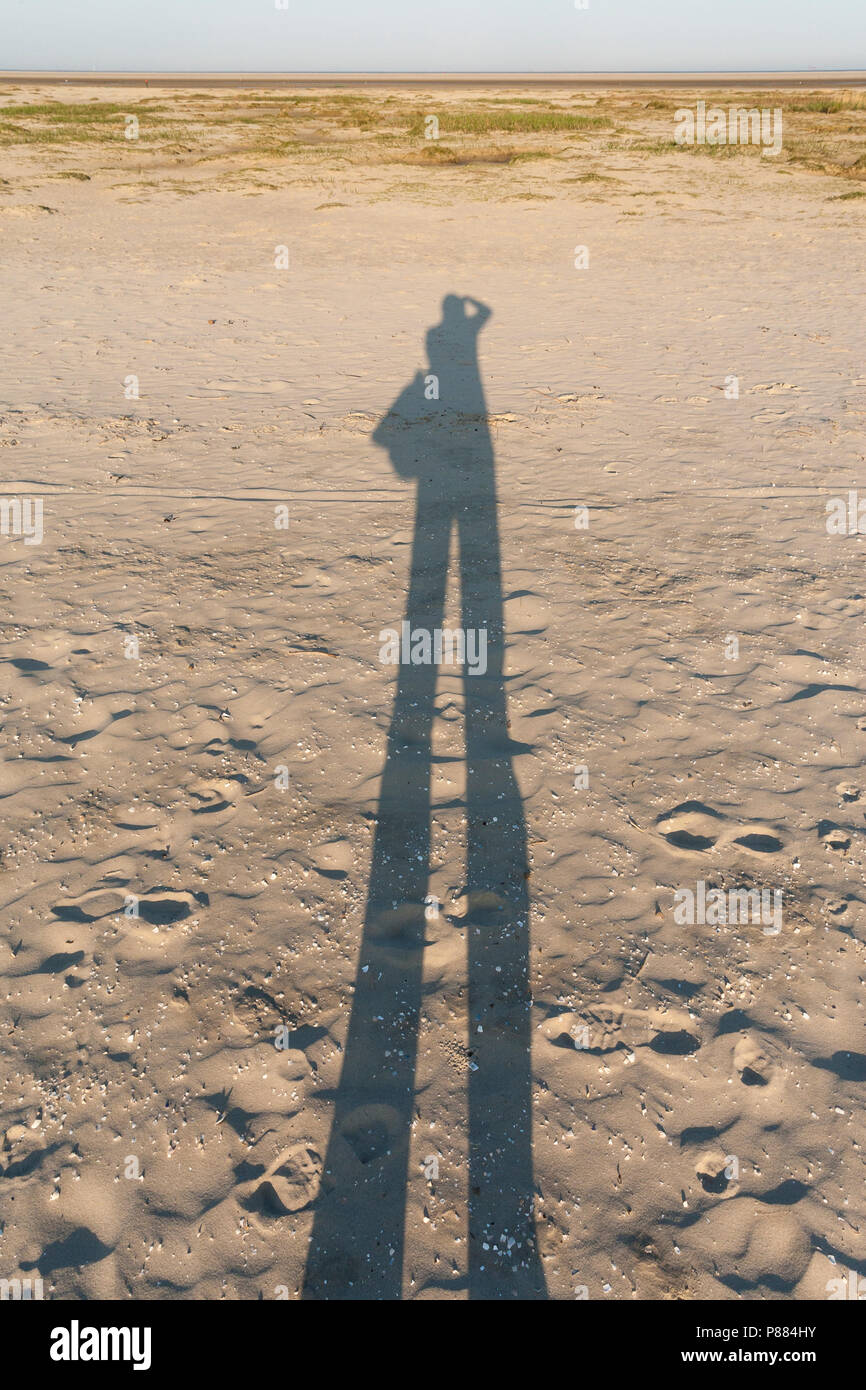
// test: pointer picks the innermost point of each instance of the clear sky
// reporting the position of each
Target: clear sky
(432, 35)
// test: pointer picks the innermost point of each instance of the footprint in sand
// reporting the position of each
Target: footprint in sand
(716, 1175)
(158, 907)
(752, 1062)
(399, 931)
(370, 1131)
(333, 859)
(693, 826)
(759, 842)
(606, 1028)
(164, 907)
(848, 791)
(833, 836)
(292, 1181)
(259, 1012)
(216, 795)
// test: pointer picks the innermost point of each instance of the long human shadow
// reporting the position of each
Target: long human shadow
(357, 1244)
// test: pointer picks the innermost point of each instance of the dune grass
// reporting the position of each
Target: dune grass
(488, 122)
(61, 122)
(823, 131)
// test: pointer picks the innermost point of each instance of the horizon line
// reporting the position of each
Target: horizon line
(681, 77)
(425, 72)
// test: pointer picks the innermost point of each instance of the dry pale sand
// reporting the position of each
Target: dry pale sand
(693, 1126)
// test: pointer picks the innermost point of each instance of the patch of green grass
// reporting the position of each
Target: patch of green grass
(274, 148)
(672, 147)
(477, 122)
(62, 112)
(515, 101)
(825, 105)
(591, 176)
(650, 146)
(434, 156)
(59, 122)
(521, 156)
(831, 106)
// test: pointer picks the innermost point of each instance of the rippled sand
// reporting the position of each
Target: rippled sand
(195, 716)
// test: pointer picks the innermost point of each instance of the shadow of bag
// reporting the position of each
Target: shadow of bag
(402, 429)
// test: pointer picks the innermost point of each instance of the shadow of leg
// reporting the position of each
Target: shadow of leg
(356, 1248)
(503, 1254)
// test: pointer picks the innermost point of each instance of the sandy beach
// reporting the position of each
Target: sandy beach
(327, 975)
